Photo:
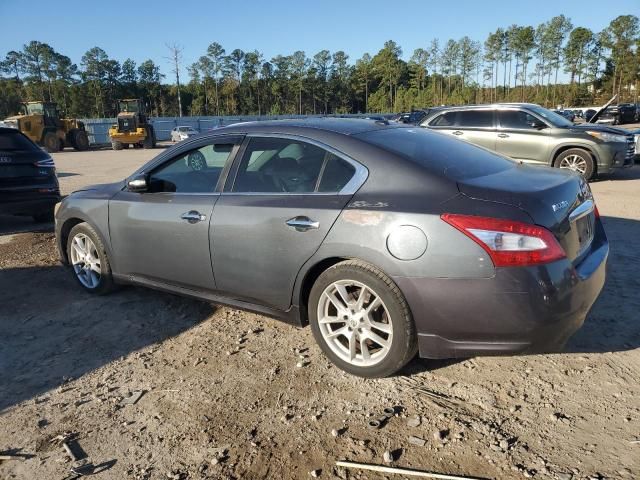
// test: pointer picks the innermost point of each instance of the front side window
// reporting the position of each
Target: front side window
(475, 118)
(518, 119)
(196, 171)
(277, 165)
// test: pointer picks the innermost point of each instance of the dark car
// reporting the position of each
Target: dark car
(387, 239)
(28, 182)
(627, 113)
(412, 118)
(568, 114)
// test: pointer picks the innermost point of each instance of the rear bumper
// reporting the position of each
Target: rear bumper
(519, 310)
(28, 204)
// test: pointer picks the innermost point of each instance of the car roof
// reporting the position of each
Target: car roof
(344, 126)
(9, 130)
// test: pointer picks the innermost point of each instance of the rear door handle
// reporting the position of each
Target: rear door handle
(193, 216)
(457, 132)
(302, 223)
(503, 135)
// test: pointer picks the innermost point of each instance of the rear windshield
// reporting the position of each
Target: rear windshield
(454, 158)
(11, 141)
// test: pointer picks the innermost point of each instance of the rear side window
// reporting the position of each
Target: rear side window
(445, 120)
(336, 174)
(13, 140)
(457, 160)
(475, 118)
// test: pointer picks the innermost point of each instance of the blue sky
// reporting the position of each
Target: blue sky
(276, 26)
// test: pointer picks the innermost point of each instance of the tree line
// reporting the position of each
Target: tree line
(516, 63)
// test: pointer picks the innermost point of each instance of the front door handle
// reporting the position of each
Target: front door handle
(193, 216)
(302, 223)
(457, 132)
(503, 135)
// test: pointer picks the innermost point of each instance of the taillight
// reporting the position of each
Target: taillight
(509, 243)
(47, 163)
(596, 212)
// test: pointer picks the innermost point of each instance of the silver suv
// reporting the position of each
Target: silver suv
(533, 134)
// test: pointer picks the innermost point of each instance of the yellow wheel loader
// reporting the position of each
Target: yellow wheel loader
(133, 127)
(41, 122)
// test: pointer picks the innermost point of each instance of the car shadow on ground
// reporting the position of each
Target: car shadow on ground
(10, 224)
(53, 331)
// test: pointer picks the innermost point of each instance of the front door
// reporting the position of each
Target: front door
(520, 138)
(276, 211)
(163, 234)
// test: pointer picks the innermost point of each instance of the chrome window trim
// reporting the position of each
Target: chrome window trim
(357, 180)
(582, 210)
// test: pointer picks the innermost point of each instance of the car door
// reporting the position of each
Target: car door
(162, 234)
(477, 127)
(523, 136)
(278, 206)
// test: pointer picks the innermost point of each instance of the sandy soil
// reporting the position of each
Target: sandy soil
(224, 397)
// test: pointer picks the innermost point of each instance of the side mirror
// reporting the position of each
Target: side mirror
(538, 125)
(138, 184)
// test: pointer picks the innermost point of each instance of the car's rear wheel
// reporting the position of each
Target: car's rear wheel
(88, 259)
(361, 320)
(577, 160)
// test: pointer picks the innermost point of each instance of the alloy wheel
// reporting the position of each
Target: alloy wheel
(85, 260)
(574, 162)
(355, 323)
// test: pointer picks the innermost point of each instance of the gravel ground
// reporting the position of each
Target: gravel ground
(224, 396)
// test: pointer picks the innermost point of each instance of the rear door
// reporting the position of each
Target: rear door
(474, 126)
(477, 127)
(520, 139)
(163, 235)
(284, 195)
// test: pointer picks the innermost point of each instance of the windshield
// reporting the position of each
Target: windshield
(34, 109)
(11, 141)
(129, 106)
(553, 118)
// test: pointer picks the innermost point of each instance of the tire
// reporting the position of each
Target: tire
(392, 312)
(98, 256)
(581, 160)
(44, 217)
(50, 142)
(79, 140)
(148, 141)
(116, 145)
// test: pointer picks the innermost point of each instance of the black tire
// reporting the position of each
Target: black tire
(404, 343)
(148, 141)
(44, 217)
(50, 142)
(79, 140)
(116, 145)
(584, 155)
(105, 283)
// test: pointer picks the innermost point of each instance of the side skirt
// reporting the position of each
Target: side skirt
(291, 316)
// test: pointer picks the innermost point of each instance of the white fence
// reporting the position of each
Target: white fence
(98, 128)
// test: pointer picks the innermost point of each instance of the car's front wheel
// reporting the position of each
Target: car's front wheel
(88, 259)
(577, 160)
(361, 320)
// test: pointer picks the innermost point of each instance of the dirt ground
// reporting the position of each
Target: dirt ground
(234, 395)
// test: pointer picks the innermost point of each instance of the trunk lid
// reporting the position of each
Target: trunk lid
(558, 200)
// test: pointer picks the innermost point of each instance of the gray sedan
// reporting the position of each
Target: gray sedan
(388, 240)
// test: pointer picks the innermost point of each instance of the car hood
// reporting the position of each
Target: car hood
(101, 190)
(599, 128)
